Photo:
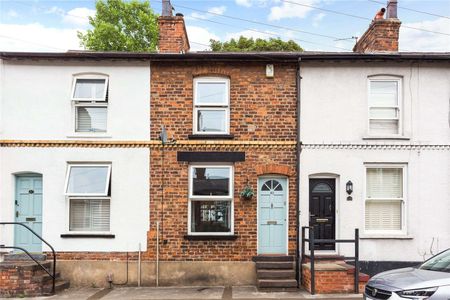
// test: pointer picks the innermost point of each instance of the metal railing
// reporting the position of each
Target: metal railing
(312, 258)
(53, 276)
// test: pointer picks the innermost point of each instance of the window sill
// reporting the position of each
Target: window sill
(88, 235)
(210, 237)
(391, 137)
(89, 136)
(210, 137)
(386, 237)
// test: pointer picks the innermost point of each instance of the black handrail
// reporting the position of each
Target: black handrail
(39, 237)
(312, 242)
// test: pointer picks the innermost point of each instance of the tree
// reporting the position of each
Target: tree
(244, 44)
(121, 26)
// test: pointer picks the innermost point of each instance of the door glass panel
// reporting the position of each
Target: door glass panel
(322, 188)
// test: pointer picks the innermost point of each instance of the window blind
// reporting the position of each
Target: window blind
(384, 107)
(91, 119)
(385, 183)
(89, 215)
(383, 215)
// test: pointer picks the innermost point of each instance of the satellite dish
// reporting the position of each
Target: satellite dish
(163, 135)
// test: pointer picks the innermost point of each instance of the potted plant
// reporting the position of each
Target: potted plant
(247, 193)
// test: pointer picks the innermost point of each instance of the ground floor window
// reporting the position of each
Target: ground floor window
(89, 214)
(385, 198)
(210, 199)
(89, 193)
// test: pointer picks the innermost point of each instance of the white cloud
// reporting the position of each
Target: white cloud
(36, 37)
(78, 16)
(249, 34)
(55, 10)
(415, 40)
(218, 10)
(12, 13)
(199, 38)
(317, 19)
(246, 3)
(290, 10)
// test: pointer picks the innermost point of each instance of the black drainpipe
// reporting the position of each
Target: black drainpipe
(297, 205)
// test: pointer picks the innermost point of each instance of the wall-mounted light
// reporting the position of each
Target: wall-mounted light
(349, 190)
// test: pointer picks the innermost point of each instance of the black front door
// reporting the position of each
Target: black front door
(322, 204)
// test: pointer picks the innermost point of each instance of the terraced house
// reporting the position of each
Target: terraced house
(201, 168)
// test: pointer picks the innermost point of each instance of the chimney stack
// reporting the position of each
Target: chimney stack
(383, 34)
(172, 31)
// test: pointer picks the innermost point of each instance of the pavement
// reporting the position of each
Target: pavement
(188, 293)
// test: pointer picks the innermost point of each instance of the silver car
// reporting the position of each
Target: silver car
(431, 280)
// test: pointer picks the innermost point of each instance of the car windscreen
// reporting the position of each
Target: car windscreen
(440, 262)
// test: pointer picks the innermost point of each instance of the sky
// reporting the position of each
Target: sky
(317, 25)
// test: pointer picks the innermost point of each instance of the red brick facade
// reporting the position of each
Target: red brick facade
(261, 109)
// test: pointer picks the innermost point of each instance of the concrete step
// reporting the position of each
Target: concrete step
(275, 274)
(24, 257)
(277, 283)
(60, 285)
(273, 258)
(274, 265)
(45, 278)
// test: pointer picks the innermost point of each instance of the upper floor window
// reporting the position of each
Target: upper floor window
(211, 105)
(384, 107)
(90, 97)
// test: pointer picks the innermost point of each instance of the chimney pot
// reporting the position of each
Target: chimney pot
(179, 15)
(380, 14)
(391, 9)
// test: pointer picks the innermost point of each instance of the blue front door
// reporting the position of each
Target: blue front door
(28, 204)
(272, 222)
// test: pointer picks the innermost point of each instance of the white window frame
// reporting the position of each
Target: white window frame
(398, 107)
(403, 200)
(211, 106)
(108, 182)
(96, 77)
(212, 198)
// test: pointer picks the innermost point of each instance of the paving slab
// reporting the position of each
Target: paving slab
(165, 293)
(71, 293)
(251, 292)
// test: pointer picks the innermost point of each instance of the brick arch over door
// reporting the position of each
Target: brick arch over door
(274, 169)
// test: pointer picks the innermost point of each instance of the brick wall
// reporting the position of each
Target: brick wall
(261, 109)
(382, 36)
(20, 281)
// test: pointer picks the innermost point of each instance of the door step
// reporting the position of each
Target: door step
(24, 257)
(275, 273)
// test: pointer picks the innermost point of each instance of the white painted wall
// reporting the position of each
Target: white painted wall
(334, 111)
(36, 99)
(129, 194)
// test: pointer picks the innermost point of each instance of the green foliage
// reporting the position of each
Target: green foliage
(121, 25)
(247, 192)
(244, 44)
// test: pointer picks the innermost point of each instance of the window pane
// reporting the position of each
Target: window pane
(88, 180)
(383, 127)
(211, 93)
(383, 215)
(211, 216)
(385, 183)
(89, 215)
(211, 120)
(211, 182)
(91, 119)
(383, 113)
(383, 93)
(90, 89)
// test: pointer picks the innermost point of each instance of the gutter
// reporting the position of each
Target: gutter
(297, 205)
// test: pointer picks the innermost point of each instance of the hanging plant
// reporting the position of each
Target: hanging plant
(247, 193)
